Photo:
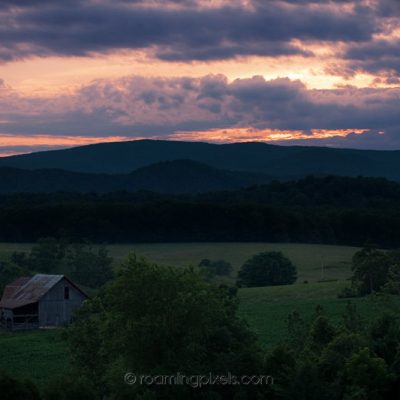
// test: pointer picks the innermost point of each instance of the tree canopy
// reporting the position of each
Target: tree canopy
(373, 271)
(156, 320)
(269, 268)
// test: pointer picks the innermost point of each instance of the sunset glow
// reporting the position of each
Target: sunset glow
(216, 71)
(267, 135)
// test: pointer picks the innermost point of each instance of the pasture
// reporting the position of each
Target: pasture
(314, 262)
(37, 355)
(42, 354)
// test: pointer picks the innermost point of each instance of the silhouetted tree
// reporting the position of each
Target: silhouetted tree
(267, 269)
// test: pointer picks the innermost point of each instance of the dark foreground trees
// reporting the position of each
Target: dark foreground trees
(156, 322)
(161, 321)
(269, 268)
(338, 362)
(12, 388)
(374, 271)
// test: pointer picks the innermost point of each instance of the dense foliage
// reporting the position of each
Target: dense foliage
(313, 210)
(160, 321)
(270, 268)
(373, 271)
(12, 388)
(350, 361)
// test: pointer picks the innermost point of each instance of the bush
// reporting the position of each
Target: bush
(267, 269)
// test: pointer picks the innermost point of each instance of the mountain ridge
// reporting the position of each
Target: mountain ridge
(178, 176)
(281, 162)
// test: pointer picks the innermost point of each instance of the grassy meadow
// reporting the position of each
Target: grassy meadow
(323, 271)
(314, 262)
(37, 355)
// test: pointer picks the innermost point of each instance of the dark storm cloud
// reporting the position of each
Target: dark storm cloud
(388, 8)
(380, 57)
(41, 27)
(7, 4)
(285, 104)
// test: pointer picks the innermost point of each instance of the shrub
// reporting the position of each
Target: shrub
(267, 269)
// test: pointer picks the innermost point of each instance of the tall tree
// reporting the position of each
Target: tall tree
(370, 269)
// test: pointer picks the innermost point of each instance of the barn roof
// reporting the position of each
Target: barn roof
(28, 290)
(14, 286)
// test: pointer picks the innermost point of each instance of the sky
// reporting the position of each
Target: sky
(292, 72)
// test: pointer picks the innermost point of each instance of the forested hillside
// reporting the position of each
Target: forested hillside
(332, 210)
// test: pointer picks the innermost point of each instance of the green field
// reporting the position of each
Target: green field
(266, 309)
(314, 262)
(326, 268)
(36, 355)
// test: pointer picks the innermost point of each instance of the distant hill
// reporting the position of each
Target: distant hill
(284, 162)
(180, 176)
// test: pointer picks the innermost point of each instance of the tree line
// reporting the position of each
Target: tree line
(332, 210)
(89, 266)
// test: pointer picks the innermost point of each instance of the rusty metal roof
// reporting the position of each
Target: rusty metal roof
(14, 286)
(27, 290)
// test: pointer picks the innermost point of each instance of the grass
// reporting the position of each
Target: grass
(314, 261)
(267, 309)
(42, 354)
(37, 355)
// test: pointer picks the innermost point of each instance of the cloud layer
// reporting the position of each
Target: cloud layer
(179, 30)
(351, 38)
(160, 107)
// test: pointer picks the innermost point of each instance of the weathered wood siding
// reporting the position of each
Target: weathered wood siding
(54, 310)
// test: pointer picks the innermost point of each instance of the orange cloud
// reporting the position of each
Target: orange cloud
(12, 145)
(264, 135)
(42, 140)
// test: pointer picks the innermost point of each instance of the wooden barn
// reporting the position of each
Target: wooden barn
(39, 301)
